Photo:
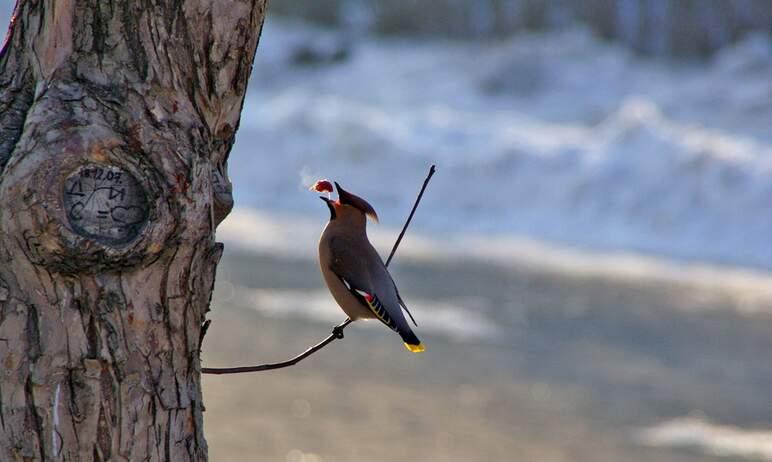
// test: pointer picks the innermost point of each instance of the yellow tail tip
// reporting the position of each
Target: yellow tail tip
(415, 348)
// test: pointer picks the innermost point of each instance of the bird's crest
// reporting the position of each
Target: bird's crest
(346, 198)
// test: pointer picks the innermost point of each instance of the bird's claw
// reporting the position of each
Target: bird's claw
(337, 331)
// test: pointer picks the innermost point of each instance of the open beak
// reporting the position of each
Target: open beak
(330, 206)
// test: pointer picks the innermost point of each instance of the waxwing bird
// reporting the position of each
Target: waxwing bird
(353, 270)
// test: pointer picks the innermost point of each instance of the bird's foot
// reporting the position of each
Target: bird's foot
(337, 331)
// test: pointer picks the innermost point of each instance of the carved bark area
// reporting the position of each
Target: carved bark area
(116, 119)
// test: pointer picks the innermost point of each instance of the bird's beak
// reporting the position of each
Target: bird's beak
(330, 205)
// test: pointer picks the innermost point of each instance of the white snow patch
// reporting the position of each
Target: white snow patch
(444, 318)
(556, 137)
(270, 234)
(709, 438)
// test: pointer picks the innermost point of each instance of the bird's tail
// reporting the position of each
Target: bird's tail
(411, 342)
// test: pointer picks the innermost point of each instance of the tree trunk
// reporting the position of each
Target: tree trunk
(116, 119)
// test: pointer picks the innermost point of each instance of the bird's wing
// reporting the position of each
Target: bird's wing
(402, 303)
(376, 306)
(352, 270)
(383, 281)
(348, 265)
(371, 301)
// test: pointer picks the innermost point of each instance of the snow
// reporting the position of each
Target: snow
(453, 321)
(555, 137)
(268, 233)
(709, 438)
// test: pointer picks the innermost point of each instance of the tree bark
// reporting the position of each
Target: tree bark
(116, 120)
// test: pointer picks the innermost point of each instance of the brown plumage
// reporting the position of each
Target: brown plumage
(353, 270)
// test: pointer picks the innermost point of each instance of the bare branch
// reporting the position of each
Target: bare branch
(432, 169)
(337, 333)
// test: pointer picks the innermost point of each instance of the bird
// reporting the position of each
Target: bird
(353, 270)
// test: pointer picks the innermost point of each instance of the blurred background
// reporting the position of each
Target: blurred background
(590, 266)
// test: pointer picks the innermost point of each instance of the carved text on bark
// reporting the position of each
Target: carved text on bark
(105, 203)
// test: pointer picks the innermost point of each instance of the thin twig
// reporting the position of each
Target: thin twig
(337, 332)
(432, 169)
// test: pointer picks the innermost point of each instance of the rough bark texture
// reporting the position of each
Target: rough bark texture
(116, 119)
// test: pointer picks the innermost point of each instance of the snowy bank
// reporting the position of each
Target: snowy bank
(558, 138)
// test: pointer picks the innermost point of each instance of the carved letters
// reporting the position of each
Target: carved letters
(105, 203)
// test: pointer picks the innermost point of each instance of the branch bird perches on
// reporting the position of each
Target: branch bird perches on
(337, 331)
